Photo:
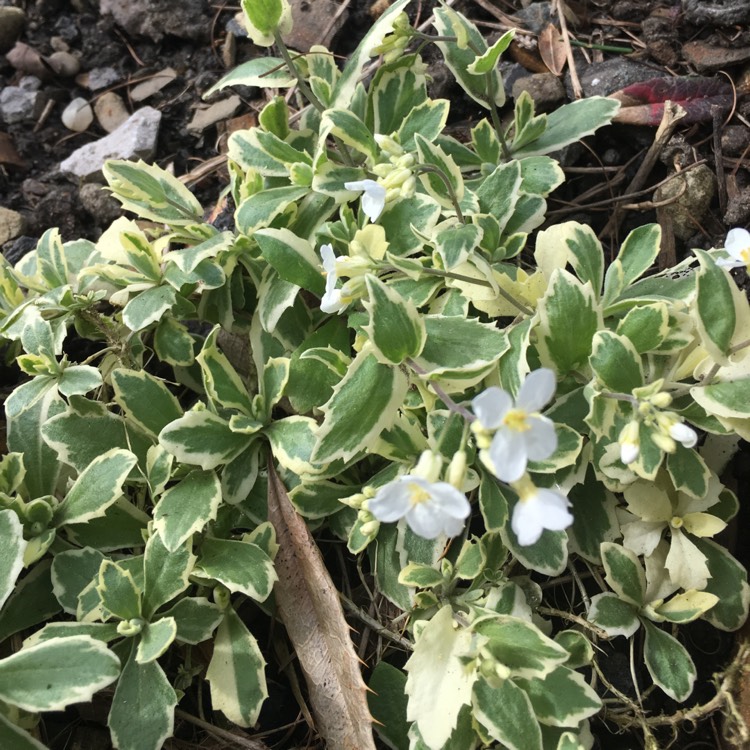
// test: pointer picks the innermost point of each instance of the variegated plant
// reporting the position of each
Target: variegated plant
(384, 326)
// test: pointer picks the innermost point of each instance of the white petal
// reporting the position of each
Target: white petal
(737, 241)
(373, 201)
(526, 523)
(537, 389)
(508, 455)
(392, 501)
(629, 452)
(331, 301)
(683, 434)
(449, 500)
(554, 508)
(730, 262)
(329, 258)
(424, 519)
(453, 526)
(541, 438)
(491, 406)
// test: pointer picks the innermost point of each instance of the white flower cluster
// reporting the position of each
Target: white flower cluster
(737, 246)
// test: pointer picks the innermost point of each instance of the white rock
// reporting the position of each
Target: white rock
(134, 139)
(12, 225)
(110, 110)
(78, 115)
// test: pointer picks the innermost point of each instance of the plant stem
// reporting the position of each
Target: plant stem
(432, 169)
(301, 82)
(444, 397)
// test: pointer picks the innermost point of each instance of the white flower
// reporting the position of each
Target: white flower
(521, 433)
(331, 301)
(680, 432)
(737, 246)
(629, 440)
(538, 509)
(430, 508)
(373, 201)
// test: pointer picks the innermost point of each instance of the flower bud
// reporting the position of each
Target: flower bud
(683, 434)
(429, 466)
(389, 144)
(661, 400)
(457, 470)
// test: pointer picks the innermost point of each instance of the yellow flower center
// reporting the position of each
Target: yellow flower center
(517, 420)
(676, 522)
(745, 255)
(418, 494)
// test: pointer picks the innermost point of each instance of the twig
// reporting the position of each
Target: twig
(574, 81)
(374, 625)
(219, 732)
(673, 113)
(577, 619)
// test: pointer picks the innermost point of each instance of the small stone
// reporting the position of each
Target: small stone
(738, 209)
(78, 115)
(734, 140)
(707, 58)
(691, 193)
(11, 225)
(152, 85)
(98, 78)
(21, 103)
(110, 111)
(26, 59)
(134, 139)
(218, 112)
(97, 202)
(721, 13)
(9, 156)
(11, 24)
(64, 64)
(604, 78)
(545, 89)
(157, 18)
(58, 44)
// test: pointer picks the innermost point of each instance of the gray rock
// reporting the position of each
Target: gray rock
(101, 78)
(604, 78)
(23, 102)
(157, 18)
(12, 225)
(11, 23)
(545, 89)
(723, 12)
(97, 202)
(134, 139)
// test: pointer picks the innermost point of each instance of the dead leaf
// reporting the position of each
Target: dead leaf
(153, 84)
(310, 609)
(643, 103)
(552, 49)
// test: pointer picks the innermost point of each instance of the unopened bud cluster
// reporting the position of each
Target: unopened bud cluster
(395, 173)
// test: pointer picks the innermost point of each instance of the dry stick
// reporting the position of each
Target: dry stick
(574, 82)
(718, 163)
(673, 113)
(219, 732)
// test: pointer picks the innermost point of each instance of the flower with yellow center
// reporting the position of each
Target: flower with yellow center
(430, 508)
(510, 434)
(538, 509)
(737, 246)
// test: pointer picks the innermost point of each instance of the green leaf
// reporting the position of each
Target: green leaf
(118, 591)
(562, 698)
(31, 602)
(120, 527)
(646, 326)
(571, 123)
(79, 379)
(583, 248)
(728, 581)
(149, 306)
(196, 619)
(687, 606)
(221, 381)
(568, 319)
(636, 256)
(730, 399)
(428, 119)
(387, 701)
(457, 345)
(72, 571)
(236, 672)
(142, 713)
(15, 737)
(498, 192)
(613, 615)
(351, 130)
(186, 508)
(146, 400)
(458, 57)
(624, 573)
(487, 61)
(165, 573)
(689, 472)
(156, 638)
(261, 209)
(398, 218)
(506, 713)
(434, 184)
(541, 175)
(615, 362)
(152, 193)
(363, 404)
(396, 329)
(27, 409)
(521, 646)
(53, 674)
(594, 518)
(293, 257)
(579, 648)
(492, 503)
(343, 91)
(714, 305)
(438, 683)
(261, 71)
(96, 488)
(569, 444)
(202, 438)
(456, 243)
(173, 343)
(100, 631)
(11, 552)
(668, 663)
(471, 560)
(420, 576)
(240, 566)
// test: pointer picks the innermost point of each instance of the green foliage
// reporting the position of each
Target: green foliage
(356, 337)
